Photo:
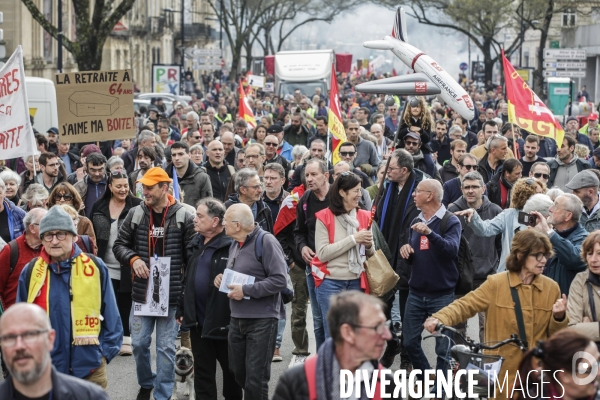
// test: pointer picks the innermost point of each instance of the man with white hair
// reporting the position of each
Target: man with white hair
(192, 118)
(255, 307)
(585, 186)
(248, 190)
(32, 375)
(383, 143)
(433, 245)
(17, 253)
(567, 236)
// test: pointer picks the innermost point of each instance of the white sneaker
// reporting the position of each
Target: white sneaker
(299, 359)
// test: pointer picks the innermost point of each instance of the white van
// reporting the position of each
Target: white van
(42, 103)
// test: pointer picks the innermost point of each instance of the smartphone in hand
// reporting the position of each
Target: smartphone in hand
(527, 219)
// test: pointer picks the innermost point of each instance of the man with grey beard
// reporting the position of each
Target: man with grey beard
(27, 339)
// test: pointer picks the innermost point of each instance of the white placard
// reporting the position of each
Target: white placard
(157, 293)
(231, 277)
(256, 81)
(16, 133)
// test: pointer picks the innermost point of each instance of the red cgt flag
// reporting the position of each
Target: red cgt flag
(526, 109)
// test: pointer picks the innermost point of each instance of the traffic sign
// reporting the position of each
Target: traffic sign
(566, 74)
(565, 65)
(464, 66)
(564, 54)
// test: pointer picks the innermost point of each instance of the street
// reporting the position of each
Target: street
(122, 382)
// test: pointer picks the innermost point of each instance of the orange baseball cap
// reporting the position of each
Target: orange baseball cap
(153, 176)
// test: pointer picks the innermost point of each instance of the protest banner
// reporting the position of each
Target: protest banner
(16, 133)
(95, 106)
(166, 79)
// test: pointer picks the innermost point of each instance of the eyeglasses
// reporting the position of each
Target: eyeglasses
(421, 190)
(196, 137)
(539, 256)
(66, 197)
(255, 187)
(471, 167)
(347, 153)
(410, 143)
(28, 337)
(539, 175)
(48, 237)
(271, 144)
(379, 329)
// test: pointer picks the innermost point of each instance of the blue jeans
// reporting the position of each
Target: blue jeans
(251, 348)
(163, 379)
(418, 309)
(316, 310)
(280, 329)
(328, 288)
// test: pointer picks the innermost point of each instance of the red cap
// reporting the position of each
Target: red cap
(593, 117)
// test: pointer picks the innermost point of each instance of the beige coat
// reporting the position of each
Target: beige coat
(578, 307)
(494, 298)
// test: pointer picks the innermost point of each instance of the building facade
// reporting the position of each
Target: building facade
(150, 33)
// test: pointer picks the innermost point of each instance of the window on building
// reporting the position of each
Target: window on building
(569, 17)
(595, 15)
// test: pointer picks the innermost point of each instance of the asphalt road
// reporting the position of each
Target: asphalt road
(122, 381)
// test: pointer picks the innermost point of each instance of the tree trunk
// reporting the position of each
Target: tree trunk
(538, 74)
(488, 62)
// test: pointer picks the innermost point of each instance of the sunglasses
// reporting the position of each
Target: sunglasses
(471, 167)
(539, 175)
(270, 144)
(347, 153)
(66, 197)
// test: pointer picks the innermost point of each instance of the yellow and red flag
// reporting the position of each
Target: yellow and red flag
(244, 110)
(526, 109)
(334, 116)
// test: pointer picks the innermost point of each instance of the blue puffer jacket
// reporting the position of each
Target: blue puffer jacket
(79, 361)
(15, 219)
(567, 261)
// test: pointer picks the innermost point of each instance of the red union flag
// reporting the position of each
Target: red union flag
(334, 117)
(526, 110)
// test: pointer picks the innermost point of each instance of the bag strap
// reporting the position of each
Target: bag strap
(14, 255)
(518, 312)
(590, 298)
(445, 219)
(310, 371)
(258, 245)
(86, 243)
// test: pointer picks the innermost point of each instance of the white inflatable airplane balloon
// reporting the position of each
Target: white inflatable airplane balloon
(429, 77)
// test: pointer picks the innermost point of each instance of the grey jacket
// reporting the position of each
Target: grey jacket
(504, 223)
(485, 250)
(591, 222)
(270, 277)
(195, 183)
(366, 153)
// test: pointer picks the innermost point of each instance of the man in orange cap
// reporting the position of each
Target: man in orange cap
(159, 227)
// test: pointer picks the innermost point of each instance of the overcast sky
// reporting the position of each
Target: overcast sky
(347, 33)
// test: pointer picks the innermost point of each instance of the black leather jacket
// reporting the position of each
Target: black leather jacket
(217, 306)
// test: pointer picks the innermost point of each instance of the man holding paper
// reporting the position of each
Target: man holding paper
(257, 258)
(158, 230)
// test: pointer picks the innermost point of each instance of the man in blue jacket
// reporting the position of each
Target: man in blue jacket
(81, 305)
(566, 236)
(432, 252)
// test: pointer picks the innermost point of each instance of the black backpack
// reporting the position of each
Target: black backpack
(464, 261)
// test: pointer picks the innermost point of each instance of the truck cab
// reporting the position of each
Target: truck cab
(303, 70)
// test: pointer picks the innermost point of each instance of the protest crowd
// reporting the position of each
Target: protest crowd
(197, 234)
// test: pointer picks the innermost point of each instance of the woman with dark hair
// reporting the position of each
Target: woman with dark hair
(583, 309)
(549, 370)
(542, 310)
(343, 241)
(65, 193)
(108, 213)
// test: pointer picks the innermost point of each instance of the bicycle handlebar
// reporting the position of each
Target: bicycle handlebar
(475, 347)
